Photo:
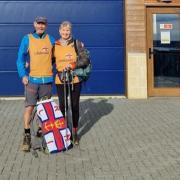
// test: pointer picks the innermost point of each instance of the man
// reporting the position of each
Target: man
(38, 83)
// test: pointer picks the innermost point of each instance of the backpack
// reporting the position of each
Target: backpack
(83, 65)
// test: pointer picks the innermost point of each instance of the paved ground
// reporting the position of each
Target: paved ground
(120, 140)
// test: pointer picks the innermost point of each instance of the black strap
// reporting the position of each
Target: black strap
(75, 46)
(70, 41)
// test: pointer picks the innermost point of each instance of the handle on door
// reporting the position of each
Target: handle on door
(151, 52)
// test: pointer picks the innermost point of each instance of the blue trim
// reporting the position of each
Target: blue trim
(41, 80)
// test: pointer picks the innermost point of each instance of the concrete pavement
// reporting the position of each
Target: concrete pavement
(121, 139)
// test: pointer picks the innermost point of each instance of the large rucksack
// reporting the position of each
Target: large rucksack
(83, 64)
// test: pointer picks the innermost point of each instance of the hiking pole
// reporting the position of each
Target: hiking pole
(72, 79)
(65, 104)
(64, 83)
(70, 99)
(33, 146)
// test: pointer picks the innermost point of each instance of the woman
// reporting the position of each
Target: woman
(65, 59)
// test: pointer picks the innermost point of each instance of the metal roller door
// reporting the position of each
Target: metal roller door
(99, 24)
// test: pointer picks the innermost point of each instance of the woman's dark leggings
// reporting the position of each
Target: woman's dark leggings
(75, 96)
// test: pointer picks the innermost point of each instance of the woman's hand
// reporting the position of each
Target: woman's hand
(71, 66)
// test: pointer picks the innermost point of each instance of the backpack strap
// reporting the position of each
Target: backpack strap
(78, 45)
(75, 46)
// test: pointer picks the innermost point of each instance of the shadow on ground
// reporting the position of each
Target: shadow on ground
(90, 112)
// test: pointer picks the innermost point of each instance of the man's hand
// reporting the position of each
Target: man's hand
(26, 65)
(25, 80)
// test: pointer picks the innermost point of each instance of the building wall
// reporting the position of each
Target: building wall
(136, 55)
(99, 24)
(136, 49)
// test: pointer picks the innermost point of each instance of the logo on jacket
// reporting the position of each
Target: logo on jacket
(68, 56)
(44, 50)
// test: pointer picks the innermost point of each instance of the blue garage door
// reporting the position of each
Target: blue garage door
(99, 24)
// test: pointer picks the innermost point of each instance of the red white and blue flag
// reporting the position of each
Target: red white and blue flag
(56, 133)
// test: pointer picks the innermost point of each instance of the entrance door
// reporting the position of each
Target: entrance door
(163, 47)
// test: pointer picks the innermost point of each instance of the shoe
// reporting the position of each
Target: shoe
(39, 132)
(75, 139)
(26, 143)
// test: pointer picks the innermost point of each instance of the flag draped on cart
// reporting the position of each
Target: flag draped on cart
(56, 133)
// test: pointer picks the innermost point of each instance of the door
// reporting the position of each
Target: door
(163, 49)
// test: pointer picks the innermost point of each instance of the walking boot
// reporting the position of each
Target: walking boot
(39, 132)
(26, 142)
(75, 139)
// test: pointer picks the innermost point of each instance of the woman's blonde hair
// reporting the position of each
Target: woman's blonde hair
(66, 24)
